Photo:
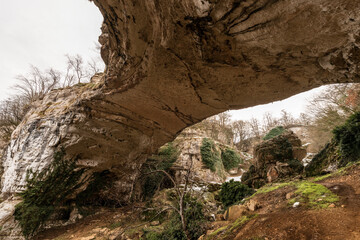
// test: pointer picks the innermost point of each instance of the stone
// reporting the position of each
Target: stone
(75, 215)
(275, 159)
(160, 80)
(272, 174)
(253, 205)
(155, 223)
(234, 212)
(290, 195)
(296, 204)
(219, 217)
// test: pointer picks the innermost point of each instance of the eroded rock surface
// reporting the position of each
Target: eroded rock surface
(171, 64)
(274, 159)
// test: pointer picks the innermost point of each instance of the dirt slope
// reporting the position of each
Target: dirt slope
(276, 220)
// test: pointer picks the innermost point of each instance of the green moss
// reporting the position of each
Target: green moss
(314, 195)
(45, 193)
(230, 159)
(274, 132)
(320, 178)
(270, 187)
(226, 231)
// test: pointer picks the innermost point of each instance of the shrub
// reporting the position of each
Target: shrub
(195, 223)
(209, 154)
(274, 132)
(233, 192)
(230, 159)
(347, 137)
(45, 192)
(165, 158)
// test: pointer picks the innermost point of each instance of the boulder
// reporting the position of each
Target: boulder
(234, 212)
(274, 159)
(252, 205)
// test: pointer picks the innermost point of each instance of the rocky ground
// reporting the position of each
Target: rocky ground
(275, 218)
(272, 217)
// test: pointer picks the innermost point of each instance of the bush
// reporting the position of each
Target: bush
(274, 132)
(45, 192)
(209, 154)
(195, 223)
(347, 137)
(230, 159)
(233, 192)
(165, 158)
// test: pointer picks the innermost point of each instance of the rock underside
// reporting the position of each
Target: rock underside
(170, 64)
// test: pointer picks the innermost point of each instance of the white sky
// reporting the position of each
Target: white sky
(41, 32)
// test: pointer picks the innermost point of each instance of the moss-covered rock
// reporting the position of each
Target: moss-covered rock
(275, 158)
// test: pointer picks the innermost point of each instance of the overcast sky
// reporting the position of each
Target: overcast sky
(41, 32)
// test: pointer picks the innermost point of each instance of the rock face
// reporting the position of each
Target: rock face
(188, 145)
(171, 64)
(275, 158)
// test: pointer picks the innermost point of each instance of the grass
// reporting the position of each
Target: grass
(314, 195)
(269, 188)
(225, 231)
(340, 172)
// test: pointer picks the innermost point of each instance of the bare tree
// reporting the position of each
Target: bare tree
(286, 118)
(223, 119)
(12, 111)
(269, 122)
(36, 84)
(76, 66)
(255, 127)
(241, 131)
(181, 190)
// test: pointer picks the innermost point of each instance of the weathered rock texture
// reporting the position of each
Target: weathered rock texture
(275, 158)
(171, 64)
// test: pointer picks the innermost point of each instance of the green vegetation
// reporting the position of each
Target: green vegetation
(314, 195)
(342, 150)
(209, 154)
(45, 192)
(195, 223)
(270, 187)
(274, 132)
(233, 192)
(154, 181)
(328, 155)
(347, 137)
(230, 159)
(226, 231)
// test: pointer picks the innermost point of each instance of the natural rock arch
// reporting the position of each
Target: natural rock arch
(172, 63)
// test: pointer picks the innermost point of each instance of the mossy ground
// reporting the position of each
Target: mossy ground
(226, 231)
(313, 195)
